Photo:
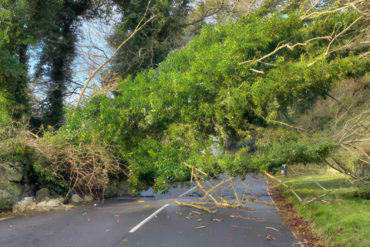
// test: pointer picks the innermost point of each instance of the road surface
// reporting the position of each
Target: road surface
(154, 222)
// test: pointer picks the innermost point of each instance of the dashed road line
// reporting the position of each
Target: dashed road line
(147, 219)
(134, 229)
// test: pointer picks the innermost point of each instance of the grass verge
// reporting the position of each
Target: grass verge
(340, 218)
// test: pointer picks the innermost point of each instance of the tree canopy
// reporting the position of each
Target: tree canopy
(228, 101)
(224, 89)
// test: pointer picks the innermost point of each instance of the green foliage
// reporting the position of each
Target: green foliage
(14, 37)
(4, 112)
(201, 96)
(270, 157)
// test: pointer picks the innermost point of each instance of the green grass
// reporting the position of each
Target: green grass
(344, 216)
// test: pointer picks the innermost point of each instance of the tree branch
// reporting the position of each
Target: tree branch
(137, 29)
(289, 46)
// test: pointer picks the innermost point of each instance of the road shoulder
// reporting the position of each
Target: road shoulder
(301, 228)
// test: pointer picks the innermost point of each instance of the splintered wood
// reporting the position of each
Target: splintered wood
(200, 227)
(215, 192)
(194, 204)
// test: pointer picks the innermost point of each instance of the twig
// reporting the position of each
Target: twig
(286, 186)
(312, 6)
(316, 198)
(250, 6)
(341, 167)
(342, 32)
(322, 187)
(216, 186)
(289, 46)
(257, 71)
(196, 206)
(330, 11)
(287, 125)
(359, 140)
(241, 85)
(236, 194)
(234, 5)
(196, 169)
(354, 155)
(137, 29)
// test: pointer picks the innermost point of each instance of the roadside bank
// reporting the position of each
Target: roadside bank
(334, 210)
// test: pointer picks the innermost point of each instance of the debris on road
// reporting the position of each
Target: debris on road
(272, 228)
(269, 237)
(194, 204)
(216, 220)
(247, 218)
(254, 200)
(200, 227)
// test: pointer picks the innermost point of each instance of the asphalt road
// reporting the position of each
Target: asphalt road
(113, 223)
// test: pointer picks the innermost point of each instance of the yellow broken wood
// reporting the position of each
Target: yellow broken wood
(236, 194)
(200, 227)
(216, 220)
(196, 169)
(215, 187)
(254, 200)
(196, 206)
(202, 188)
(269, 237)
(201, 202)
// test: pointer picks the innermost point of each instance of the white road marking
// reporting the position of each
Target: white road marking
(187, 192)
(147, 219)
